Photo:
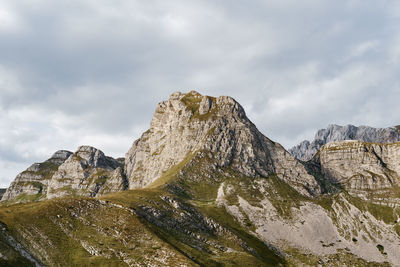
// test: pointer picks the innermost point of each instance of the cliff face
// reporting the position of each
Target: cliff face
(87, 172)
(360, 167)
(188, 124)
(306, 149)
(32, 183)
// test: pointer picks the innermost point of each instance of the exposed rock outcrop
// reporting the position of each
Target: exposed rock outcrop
(306, 149)
(87, 172)
(32, 183)
(358, 165)
(187, 124)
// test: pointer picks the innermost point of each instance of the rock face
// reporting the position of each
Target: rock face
(87, 172)
(358, 165)
(32, 183)
(187, 124)
(306, 150)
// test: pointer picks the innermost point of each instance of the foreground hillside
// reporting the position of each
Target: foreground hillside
(207, 188)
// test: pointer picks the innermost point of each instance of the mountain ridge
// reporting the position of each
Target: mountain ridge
(306, 149)
(203, 187)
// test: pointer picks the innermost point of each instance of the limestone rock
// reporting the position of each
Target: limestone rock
(358, 165)
(187, 124)
(306, 150)
(87, 172)
(32, 183)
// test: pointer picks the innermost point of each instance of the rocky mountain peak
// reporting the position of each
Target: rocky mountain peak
(184, 108)
(188, 124)
(32, 183)
(333, 133)
(94, 157)
(87, 172)
(60, 156)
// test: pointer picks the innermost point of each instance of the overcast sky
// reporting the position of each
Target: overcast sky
(91, 71)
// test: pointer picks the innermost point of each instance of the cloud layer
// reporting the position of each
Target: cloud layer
(91, 72)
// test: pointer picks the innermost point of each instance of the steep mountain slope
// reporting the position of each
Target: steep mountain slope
(208, 189)
(190, 124)
(361, 168)
(306, 150)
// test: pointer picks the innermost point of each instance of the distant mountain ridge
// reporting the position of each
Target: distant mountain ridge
(333, 133)
(87, 172)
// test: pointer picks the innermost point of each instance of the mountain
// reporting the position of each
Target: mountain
(306, 149)
(203, 187)
(363, 169)
(190, 126)
(87, 172)
(32, 183)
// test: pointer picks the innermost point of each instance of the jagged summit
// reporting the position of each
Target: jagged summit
(32, 183)
(188, 124)
(306, 149)
(60, 156)
(86, 172)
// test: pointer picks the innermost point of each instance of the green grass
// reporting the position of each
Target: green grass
(170, 175)
(340, 258)
(264, 253)
(187, 246)
(97, 228)
(13, 257)
(192, 101)
(381, 212)
(397, 228)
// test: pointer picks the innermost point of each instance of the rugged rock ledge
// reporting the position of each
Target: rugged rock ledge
(357, 165)
(87, 172)
(306, 149)
(32, 183)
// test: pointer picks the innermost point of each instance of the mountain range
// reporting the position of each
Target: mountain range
(333, 133)
(204, 187)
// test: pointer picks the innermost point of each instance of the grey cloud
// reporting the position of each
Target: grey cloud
(93, 71)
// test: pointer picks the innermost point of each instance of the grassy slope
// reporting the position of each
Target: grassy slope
(9, 256)
(185, 243)
(61, 226)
